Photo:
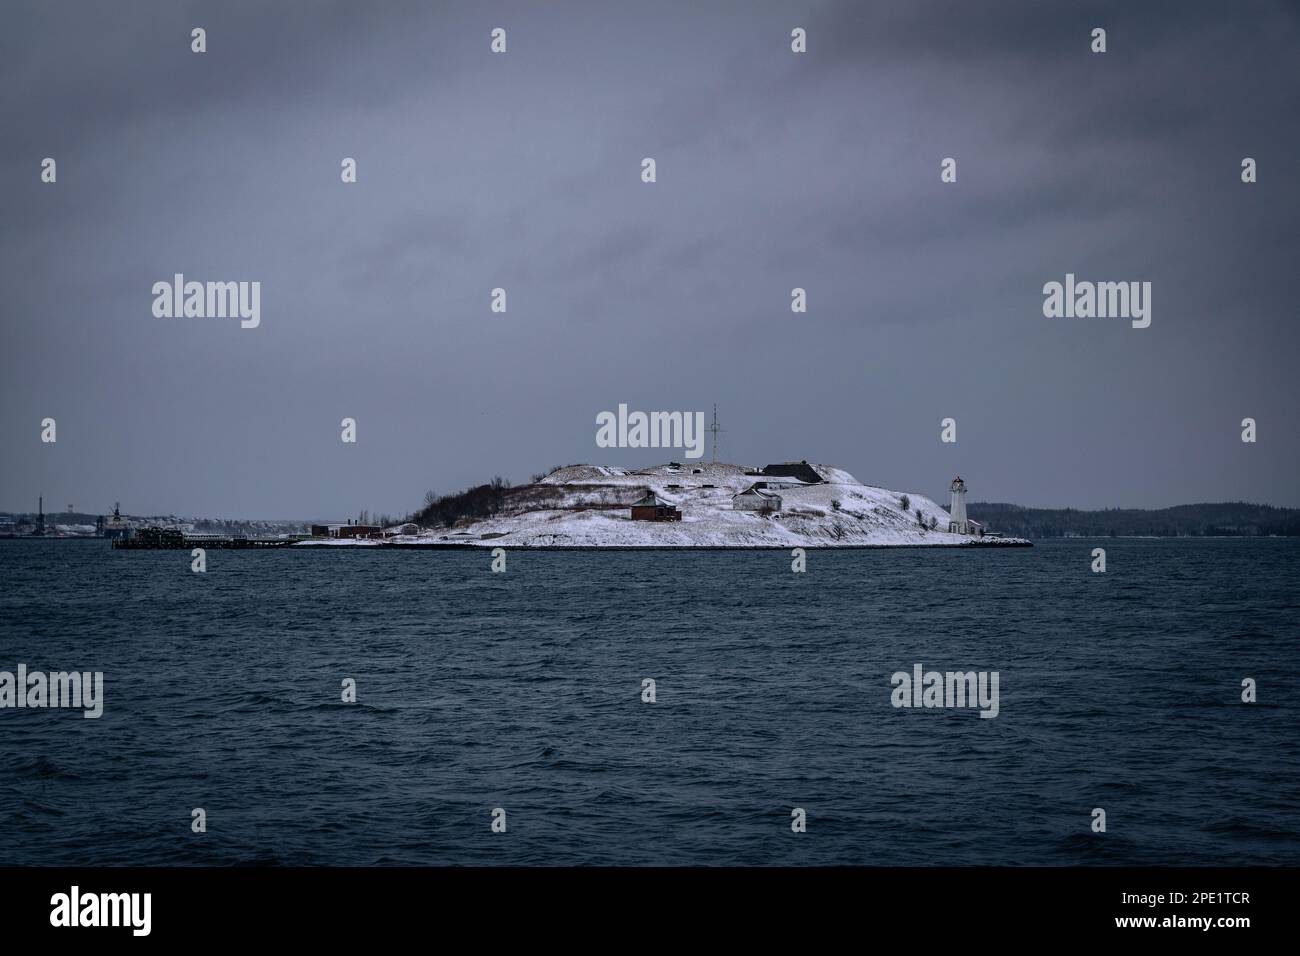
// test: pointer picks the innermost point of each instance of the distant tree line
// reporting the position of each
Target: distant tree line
(481, 501)
(1235, 519)
(378, 519)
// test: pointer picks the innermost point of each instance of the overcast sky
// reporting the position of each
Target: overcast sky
(522, 171)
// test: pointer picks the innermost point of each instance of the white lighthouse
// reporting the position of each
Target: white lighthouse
(957, 521)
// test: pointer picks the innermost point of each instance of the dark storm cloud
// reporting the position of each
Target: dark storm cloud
(522, 171)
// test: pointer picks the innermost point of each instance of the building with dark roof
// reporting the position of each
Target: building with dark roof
(800, 470)
(654, 508)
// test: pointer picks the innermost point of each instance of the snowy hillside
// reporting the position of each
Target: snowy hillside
(584, 506)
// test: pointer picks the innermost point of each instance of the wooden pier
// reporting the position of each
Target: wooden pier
(169, 539)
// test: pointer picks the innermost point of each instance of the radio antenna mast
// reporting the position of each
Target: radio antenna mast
(715, 428)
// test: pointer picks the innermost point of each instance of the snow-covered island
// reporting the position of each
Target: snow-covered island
(695, 504)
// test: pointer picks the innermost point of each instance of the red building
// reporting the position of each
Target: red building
(348, 530)
(359, 531)
(654, 508)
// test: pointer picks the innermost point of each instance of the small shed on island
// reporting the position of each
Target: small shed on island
(654, 508)
(756, 499)
(399, 529)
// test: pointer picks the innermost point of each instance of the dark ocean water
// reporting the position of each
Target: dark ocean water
(523, 690)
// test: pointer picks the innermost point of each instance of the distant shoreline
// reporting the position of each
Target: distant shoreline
(448, 546)
(847, 547)
(655, 547)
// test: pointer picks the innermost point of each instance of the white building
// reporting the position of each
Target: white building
(957, 520)
(756, 499)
